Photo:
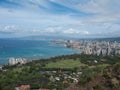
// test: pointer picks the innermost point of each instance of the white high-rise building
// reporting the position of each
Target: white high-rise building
(104, 52)
(117, 52)
(88, 50)
(98, 51)
(12, 61)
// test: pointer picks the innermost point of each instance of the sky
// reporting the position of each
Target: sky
(71, 18)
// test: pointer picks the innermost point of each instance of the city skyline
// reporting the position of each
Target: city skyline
(72, 18)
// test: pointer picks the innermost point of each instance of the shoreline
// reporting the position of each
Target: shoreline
(48, 57)
(35, 52)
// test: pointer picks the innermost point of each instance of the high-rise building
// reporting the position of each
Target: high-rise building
(12, 61)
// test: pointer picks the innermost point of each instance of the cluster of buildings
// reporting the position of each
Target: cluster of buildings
(55, 76)
(94, 47)
(101, 48)
(73, 44)
(64, 76)
(13, 61)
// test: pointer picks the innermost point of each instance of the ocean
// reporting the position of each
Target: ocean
(31, 49)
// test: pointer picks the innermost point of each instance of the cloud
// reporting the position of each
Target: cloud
(72, 31)
(61, 17)
(8, 29)
(92, 6)
(97, 10)
(63, 31)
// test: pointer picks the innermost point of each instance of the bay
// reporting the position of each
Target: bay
(31, 49)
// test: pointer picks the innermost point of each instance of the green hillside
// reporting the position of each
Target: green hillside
(63, 72)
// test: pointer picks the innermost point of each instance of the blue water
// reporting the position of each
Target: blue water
(30, 49)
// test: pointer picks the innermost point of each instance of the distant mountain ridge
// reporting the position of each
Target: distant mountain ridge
(105, 39)
(110, 39)
(68, 38)
(46, 37)
(49, 37)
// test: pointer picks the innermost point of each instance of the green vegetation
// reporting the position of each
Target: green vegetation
(62, 71)
(64, 64)
(108, 79)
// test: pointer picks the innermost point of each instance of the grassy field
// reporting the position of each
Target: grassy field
(70, 63)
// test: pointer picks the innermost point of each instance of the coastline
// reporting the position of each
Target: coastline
(45, 50)
(30, 60)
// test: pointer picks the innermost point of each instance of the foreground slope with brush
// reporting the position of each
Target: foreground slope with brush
(108, 79)
(67, 72)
